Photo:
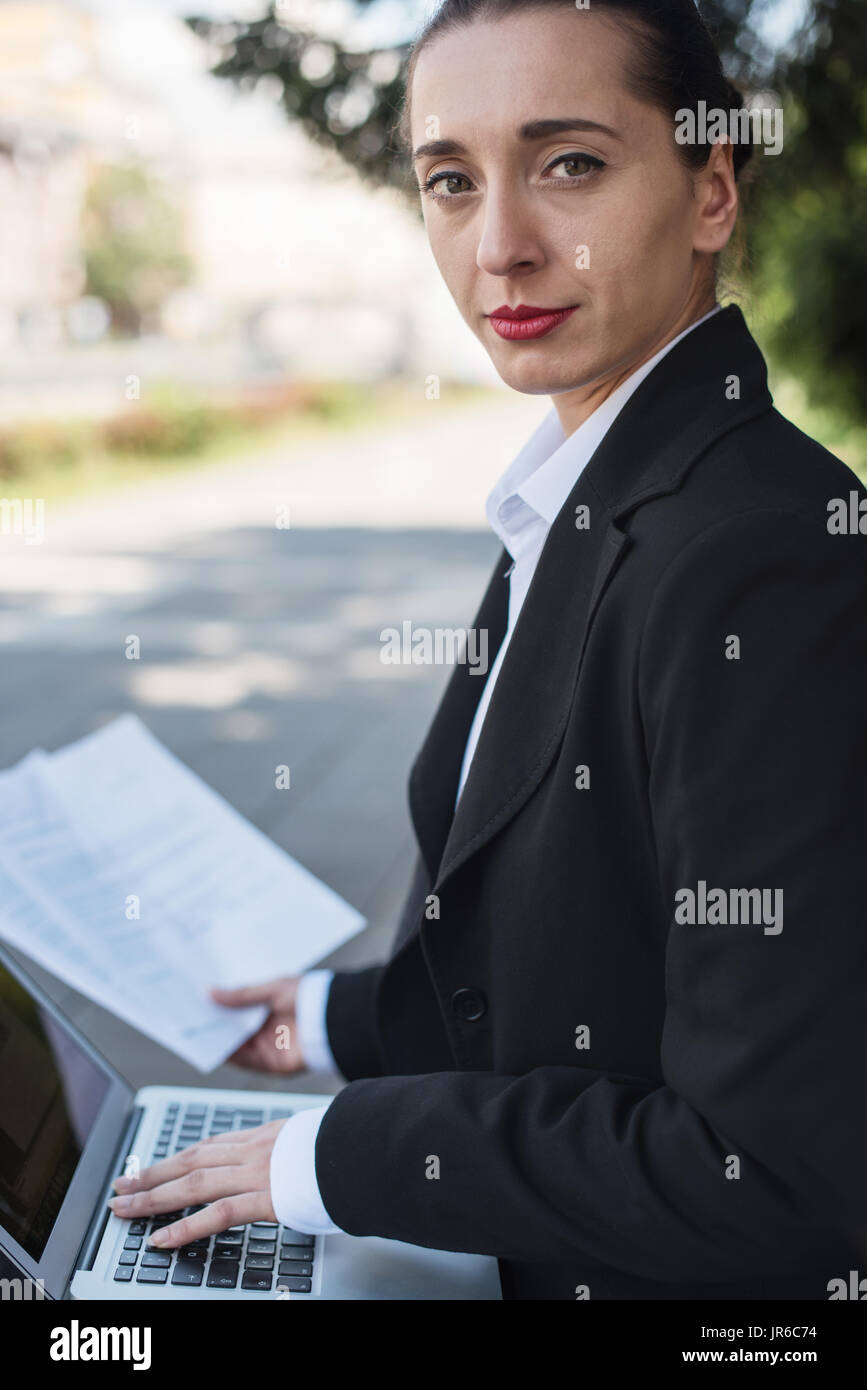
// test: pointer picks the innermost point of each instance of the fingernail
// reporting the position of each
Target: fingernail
(123, 1184)
(157, 1238)
(120, 1204)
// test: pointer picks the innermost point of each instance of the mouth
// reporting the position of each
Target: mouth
(527, 321)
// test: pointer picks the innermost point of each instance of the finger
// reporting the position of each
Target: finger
(243, 997)
(206, 1154)
(238, 1210)
(202, 1185)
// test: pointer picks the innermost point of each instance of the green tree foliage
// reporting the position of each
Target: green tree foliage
(133, 245)
(343, 99)
(806, 209)
(808, 222)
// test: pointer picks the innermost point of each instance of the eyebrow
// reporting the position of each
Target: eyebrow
(532, 130)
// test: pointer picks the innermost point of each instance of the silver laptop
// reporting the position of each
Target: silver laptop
(69, 1123)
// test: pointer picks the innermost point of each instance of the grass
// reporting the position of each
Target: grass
(171, 432)
(62, 460)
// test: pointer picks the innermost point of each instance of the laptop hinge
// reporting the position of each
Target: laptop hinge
(93, 1235)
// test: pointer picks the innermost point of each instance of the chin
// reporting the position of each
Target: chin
(538, 378)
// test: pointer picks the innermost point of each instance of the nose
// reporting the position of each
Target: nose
(508, 240)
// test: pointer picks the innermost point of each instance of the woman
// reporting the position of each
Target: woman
(621, 1040)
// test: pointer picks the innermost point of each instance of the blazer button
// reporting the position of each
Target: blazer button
(469, 1004)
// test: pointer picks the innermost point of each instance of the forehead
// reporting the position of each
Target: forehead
(493, 75)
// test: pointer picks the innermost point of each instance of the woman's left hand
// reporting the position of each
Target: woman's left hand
(229, 1172)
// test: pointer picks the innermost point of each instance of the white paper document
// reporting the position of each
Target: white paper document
(132, 880)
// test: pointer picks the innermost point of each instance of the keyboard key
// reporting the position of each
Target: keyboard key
(188, 1272)
(223, 1274)
(265, 1225)
(194, 1252)
(152, 1276)
(296, 1267)
(129, 1257)
(261, 1247)
(122, 1274)
(132, 1243)
(156, 1259)
(138, 1228)
(279, 1114)
(257, 1279)
(296, 1252)
(293, 1284)
(197, 1109)
(231, 1237)
(224, 1251)
(259, 1262)
(290, 1237)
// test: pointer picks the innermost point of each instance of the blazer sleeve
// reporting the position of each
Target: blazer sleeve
(351, 1012)
(750, 1158)
(350, 1022)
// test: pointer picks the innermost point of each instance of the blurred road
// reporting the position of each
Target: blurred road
(261, 645)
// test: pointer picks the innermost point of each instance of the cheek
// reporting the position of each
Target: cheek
(454, 251)
(640, 231)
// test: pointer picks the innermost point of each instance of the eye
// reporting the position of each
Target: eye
(574, 159)
(449, 177)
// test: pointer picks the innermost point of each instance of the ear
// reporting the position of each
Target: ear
(716, 196)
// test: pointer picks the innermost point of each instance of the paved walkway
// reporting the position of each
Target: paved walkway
(261, 645)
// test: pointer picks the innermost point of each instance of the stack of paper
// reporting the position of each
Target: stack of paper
(127, 876)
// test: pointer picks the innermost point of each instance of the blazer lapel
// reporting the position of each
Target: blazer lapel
(683, 406)
(433, 778)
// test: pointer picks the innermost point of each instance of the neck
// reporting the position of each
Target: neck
(578, 403)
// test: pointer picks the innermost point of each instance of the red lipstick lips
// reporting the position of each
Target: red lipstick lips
(527, 320)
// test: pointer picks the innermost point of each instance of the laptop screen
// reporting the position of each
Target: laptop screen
(51, 1092)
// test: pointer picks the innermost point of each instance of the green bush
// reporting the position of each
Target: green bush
(25, 448)
(155, 431)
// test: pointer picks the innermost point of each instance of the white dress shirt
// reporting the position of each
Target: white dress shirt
(520, 509)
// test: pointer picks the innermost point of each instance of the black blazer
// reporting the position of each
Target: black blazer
(623, 1103)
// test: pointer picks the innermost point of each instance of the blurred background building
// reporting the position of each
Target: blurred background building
(143, 198)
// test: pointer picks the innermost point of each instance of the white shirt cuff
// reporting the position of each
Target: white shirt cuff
(310, 1005)
(294, 1189)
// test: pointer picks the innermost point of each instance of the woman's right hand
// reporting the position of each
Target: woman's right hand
(274, 1047)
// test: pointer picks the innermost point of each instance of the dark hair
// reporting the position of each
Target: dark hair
(675, 64)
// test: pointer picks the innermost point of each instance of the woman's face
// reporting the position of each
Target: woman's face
(608, 220)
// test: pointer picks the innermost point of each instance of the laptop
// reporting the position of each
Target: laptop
(70, 1124)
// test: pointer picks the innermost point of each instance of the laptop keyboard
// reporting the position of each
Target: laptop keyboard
(261, 1258)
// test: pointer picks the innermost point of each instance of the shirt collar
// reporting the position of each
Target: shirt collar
(544, 472)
